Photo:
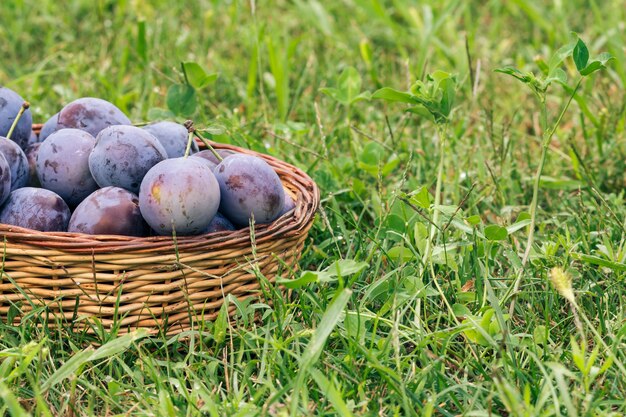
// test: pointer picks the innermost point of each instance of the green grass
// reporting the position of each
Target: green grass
(397, 337)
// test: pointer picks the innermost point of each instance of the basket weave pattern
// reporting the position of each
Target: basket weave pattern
(159, 283)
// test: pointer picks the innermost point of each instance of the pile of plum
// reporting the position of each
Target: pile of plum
(91, 171)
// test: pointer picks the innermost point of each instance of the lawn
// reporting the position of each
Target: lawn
(443, 304)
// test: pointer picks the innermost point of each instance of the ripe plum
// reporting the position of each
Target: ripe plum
(179, 194)
(109, 211)
(123, 155)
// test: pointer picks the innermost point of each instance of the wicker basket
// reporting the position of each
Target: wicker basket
(159, 283)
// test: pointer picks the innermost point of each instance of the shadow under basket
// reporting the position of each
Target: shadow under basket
(163, 284)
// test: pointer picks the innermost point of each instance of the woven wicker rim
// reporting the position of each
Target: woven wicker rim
(298, 183)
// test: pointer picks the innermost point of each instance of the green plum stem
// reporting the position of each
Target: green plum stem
(189, 140)
(25, 106)
(208, 145)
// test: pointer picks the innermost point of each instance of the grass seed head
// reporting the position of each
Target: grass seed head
(562, 281)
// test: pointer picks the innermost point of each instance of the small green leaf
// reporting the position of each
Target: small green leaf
(606, 366)
(333, 93)
(421, 198)
(473, 220)
(517, 226)
(372, 154)
(540, 335)
(495, 232)
(591, 68)
(559, 56)
(306, 278)
(440, 99)
(420, 89)
(593, 357)
(196, 76)
(464, 227)
(447, 86)
(366, 51)
(389, 94)
(422, 111)
(439, 76)
(560, 183)
(541, 64)
(597, 64)
(391, 165)
(181, 99)
(348, 89)
(375, 160)
(433, 98)
(221, 323)
(580, 55)
(118, 345)
(113, 388)
(486, 319)
(350, 84)
(557, 75)
(514, 72)
(578, 355)
(355, 325)
(481, 332)
(604, 58)
(345, 267)
(595, 260)
(68, 368)
(461, 310)
(400, 254)
(364, 96)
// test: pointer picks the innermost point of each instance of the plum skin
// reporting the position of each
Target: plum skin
(249, 187)
(219, 223)
(179, 195)
(10, 105)
(173, 137)
(5, 179)
(289, 204)
(90, 114)
(18, 162)
(49, 127)
(32, 140)
(63, 166)
(123, 155)
(208, 155)
(36, 208)
(31, 156)
(109, 211)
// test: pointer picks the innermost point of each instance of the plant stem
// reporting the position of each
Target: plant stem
(193, 132)
(189, 140)
(25, 106)
(433, 227)
(208, 145)
(547, 138)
